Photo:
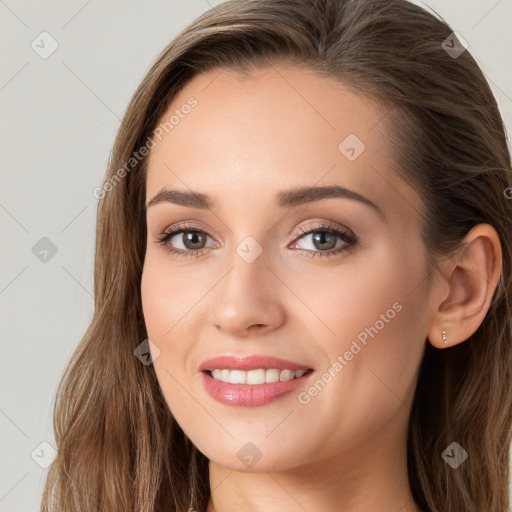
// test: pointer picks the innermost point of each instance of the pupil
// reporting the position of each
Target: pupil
(321, 239)
(192, 237)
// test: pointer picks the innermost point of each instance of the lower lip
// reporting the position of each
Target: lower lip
(250, 395)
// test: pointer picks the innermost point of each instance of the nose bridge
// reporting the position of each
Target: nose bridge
(247, 296)
(251, 251)
(249, 278)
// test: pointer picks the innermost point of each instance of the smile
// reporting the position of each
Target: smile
(258, 376)
(254, 391)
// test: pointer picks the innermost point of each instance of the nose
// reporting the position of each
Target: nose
(249, 299)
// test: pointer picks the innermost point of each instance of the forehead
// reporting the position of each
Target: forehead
(281, 127)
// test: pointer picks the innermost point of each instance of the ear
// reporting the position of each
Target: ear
(463, 292)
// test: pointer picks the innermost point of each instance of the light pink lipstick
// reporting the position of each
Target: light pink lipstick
(250, 395)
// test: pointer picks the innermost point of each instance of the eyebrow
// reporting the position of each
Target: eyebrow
(284, 199)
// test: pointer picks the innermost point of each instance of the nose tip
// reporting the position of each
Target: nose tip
(246, 295)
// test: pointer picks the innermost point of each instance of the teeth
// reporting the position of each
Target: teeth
(255, 377)
(286, 375)
(237, 377)
(272, 376)
(260, 376)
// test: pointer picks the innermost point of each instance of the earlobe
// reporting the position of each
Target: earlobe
(471, 276)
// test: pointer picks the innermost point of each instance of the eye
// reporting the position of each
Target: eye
(190, 237)
(324, 240)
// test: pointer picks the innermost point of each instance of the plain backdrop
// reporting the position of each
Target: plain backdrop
(59, 116)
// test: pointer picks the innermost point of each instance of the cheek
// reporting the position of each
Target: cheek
(165, 318)
(378, 301)
(154, 306)
(171, 304)
(168, 298)
(378, 317)
(381, 289)
(162, 309)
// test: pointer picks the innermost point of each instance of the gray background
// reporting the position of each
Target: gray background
(58, 117)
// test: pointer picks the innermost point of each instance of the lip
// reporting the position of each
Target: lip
(250, 363)
(250, 395)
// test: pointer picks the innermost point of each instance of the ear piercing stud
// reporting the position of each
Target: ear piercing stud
(444, 337)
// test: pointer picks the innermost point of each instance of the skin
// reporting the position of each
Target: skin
(246, 140)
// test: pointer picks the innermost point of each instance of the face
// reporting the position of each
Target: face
(330, 282)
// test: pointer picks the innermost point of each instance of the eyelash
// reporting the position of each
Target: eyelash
(349, 238)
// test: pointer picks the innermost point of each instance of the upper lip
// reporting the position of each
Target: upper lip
(250, 363)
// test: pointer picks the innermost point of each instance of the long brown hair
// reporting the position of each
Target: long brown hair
(119, 447)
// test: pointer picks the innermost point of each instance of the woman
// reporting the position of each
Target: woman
(303, 275)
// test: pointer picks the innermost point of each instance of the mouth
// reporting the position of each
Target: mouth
(256, 387)
(257, 376)
(252, 381)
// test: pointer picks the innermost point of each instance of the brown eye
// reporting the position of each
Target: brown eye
(193, 240)
(184, 240)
